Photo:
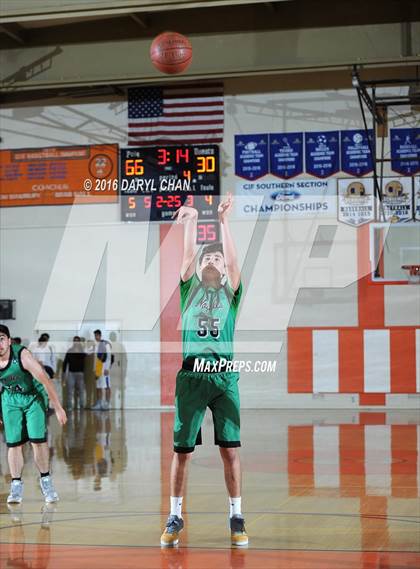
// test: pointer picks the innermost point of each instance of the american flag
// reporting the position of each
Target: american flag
(182, 114)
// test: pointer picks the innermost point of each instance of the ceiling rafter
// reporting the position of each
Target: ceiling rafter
(140, 21)
(13, 31)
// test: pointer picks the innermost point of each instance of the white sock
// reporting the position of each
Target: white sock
(176, 506)
(235, 507)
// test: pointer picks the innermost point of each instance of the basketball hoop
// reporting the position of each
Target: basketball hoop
(413, 273)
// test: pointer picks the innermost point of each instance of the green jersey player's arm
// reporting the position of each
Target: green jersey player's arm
(37, 371)
(188, 216)
(229, 251)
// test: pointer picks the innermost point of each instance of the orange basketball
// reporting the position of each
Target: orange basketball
(171, 52)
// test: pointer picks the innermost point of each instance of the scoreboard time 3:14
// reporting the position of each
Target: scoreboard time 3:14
(157, 180)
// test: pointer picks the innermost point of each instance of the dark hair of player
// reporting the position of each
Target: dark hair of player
(211, 248)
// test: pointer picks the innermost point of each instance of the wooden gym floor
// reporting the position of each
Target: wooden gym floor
(321, 490)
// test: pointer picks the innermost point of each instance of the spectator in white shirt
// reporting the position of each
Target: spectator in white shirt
(44, 353)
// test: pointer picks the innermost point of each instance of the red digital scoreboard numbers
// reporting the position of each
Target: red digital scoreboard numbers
(155, 181)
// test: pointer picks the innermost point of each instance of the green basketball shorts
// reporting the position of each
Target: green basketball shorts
(194, 393)
(24, 417)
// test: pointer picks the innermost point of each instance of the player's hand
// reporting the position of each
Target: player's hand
(61, 415)
(225, 207)
(184, 213)
(106, 371)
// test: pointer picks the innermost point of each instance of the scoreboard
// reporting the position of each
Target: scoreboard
(156, 180)
(162, 178)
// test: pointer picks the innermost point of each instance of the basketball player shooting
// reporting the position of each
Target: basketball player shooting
(209, 307)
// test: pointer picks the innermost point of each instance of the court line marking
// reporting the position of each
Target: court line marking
(263, 514)
(227, 548)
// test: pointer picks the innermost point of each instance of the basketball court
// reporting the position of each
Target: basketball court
(326, 489)
(116, 116)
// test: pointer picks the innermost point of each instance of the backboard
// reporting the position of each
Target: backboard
(392, 247)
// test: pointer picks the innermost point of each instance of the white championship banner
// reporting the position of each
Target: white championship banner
(417, 197)
(397, 199)
(355, 201)
(271, 197)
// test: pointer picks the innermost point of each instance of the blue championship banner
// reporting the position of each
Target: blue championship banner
(356, 157)
(322, 153)
(286, 154)
(405, 150)
(251, 155)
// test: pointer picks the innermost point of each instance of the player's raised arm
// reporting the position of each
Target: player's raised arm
(37, 371)
(229, 251)
(188, 216)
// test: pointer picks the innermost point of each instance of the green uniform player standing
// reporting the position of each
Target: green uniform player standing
(208, 325)
(208, 307)
(25, 389)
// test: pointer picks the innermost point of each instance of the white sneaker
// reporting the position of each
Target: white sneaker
(97, 406)
(48, 489)
(105, 406)
(16, 492)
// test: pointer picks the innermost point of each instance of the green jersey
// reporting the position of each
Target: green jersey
(14, 378)
(208, 320)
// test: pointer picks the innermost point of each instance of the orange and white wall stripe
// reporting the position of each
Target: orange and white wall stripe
(370, 359)
(372, 459)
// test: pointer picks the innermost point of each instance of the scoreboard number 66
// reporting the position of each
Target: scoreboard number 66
(134, 167)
